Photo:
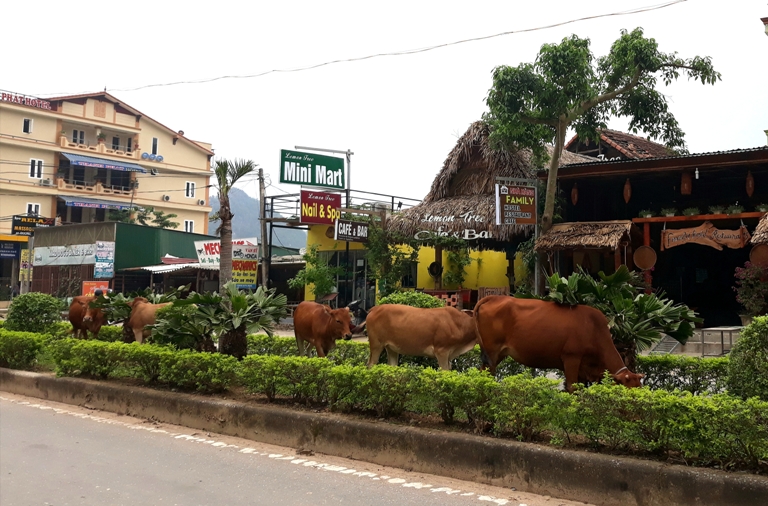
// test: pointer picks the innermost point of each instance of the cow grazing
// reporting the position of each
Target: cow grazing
(443, 333)
(535, 333)
(85, 318)
(142, 314)
(320, 326)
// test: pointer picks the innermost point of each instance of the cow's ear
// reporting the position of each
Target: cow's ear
(469, 312)
(326, 309)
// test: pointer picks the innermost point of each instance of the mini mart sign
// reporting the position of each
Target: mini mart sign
(309, 169)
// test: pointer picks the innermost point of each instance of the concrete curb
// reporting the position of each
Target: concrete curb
(582, 476)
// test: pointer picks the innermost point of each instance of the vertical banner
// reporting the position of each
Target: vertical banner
(104, 268)
(25, 263)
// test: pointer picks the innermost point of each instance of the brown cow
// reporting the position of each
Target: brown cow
(546, 335)
(142, 314)
(443, 333)
(320, 326)
(85, 318)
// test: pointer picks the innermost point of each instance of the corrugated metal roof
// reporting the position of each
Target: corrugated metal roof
(675, 157)
(162, 269)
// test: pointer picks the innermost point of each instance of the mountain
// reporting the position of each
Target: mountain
(246, 221)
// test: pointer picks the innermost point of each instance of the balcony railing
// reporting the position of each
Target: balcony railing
(100, 147)
(92, 187)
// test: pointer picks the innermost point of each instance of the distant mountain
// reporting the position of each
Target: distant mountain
(246, 221)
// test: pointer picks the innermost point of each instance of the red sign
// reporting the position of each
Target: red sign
(320, 207)
(89, 287)
(24, 100)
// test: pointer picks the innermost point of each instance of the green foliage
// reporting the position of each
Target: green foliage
(204, 372)
(116, 306)
(182, 327)
(74, 357)
(458, 260)
(390, 257)
(19, 350)
(748, 364)
(415, 299)
(689, 374)
(148, 216)
(33, 312)
(317, 273)
(751, 288)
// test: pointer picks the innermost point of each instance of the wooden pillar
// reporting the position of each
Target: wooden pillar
(439, 261)
(628, 259)
(647, 277)
(616, 259)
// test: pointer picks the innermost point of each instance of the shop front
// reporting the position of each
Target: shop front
(11, 247)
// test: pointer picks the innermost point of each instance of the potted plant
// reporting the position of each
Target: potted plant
(63, 133)
(668, 211)
(751, 290)
(762, 208)
(101, 136)
(646, 213)
(691, 211)
(734, 209)
(716, 209)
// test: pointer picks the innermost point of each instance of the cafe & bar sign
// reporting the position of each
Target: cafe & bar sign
(309, 169)
(705, 234)
(320, 208)
(351, 231)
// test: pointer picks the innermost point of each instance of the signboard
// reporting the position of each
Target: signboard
(707, 235)
(515, 205)
(10, 250)
(245, 259)
(74, 254)
(471, 221)
(105, 260)
(309, 169)
(320, 207)
(24, 265)
(25, 100)
(26, 225)
(89, 287)
(209, 252)
(350, 231)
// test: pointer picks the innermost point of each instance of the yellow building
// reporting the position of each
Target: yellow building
(72, 159)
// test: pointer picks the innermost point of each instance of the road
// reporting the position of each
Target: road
(56, 454)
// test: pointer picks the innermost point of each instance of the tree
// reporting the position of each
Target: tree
(317, 273)
(228, 173)
(534, 104)
(144, 216)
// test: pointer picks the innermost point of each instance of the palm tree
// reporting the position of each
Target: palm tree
(228, 173)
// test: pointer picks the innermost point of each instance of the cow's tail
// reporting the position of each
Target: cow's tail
(485, 359)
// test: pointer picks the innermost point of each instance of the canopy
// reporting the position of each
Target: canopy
(93, 203)
(102, 163)
(585, 235)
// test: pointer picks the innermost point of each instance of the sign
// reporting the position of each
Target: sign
(320, 207)
(209, 252)
(350, 231)
(468, 219)
(26, 225)
(75, 254)
(515, 205)
(24, 265)
(105, 260)
(25, 100)
(310, 169)
(707, 235)
(90, 287)
(245, 259)
(10, 250)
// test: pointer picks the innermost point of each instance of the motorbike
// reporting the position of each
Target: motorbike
(356, 306)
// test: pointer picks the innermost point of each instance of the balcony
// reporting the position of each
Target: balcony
(93, 188)
(103, 147)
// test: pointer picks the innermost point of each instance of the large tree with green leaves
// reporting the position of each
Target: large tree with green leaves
(228, 173)
(534, 104)
(145, 216)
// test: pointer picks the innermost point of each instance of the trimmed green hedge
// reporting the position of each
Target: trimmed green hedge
(689, 374)
(109, 333)
(19, 350)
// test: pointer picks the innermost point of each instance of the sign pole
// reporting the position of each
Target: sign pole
(263, 219)
(30, 258)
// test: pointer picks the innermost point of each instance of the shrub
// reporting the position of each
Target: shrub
(751, 289)
(262, 344)
(204, 372)
(183, 327)
(748, 364)
(384, 389)
(33, 312)
(144, 360)
(415, 299)
(301, 378)
(689, 374)
(74, 357)
(19, 350)
(526, 406)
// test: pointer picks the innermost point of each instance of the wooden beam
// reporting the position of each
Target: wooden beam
(617, 258)
(647, 242)
(698, 217)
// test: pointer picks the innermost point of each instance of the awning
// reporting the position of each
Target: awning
(162, 269)
(102, 163)
(93, 203)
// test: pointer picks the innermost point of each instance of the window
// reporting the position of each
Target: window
(189, 226)
(36, 168)
(78, 136)
(128, 145)
(409, 279)
(190, 191)
(27, 128)
(154, 145)
(115, 143)
(33, 209)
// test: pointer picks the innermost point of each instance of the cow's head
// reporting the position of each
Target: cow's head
(136, 301)
(340, 322)
(628, 378)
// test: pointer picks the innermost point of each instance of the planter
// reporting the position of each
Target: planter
(745, 319)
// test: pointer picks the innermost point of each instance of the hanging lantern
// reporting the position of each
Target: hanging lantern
(750, 184)
(686, 184)
(627, 191)
(575, 193)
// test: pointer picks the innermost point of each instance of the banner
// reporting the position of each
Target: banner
(104, 267)
(707, 235)
(24, 265)
(75, 254)
(209, 252)
(89, 287)
(245, 259)
(26, 225)
(320, 208)
(350, 231)
(10, 250)
(309, 169)
(515, 205)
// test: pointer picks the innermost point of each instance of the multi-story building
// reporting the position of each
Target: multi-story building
(75, 158)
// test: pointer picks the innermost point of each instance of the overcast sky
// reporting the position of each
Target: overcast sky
(401, 115)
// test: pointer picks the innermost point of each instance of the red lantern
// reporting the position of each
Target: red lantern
(575, 193)
(686, 184)
(750, 184)
(627, 191)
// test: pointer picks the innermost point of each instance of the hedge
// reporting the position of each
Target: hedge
(19, 350)
(109, 333)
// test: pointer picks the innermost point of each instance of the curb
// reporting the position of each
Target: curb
(582, 476)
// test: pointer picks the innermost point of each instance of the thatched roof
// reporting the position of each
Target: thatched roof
(585, 235)
(466, 184)
(761, 232)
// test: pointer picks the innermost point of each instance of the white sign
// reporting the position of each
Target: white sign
(209, 252)
(75, 254)
(105, 260)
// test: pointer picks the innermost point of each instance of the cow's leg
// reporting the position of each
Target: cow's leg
(320, 350)
(571, 368)
(375, 353)
(138, 335)
(300, 343)
(444, 360)
(392, 357)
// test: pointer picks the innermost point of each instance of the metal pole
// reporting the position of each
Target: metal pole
(30, 258)
(263, 220)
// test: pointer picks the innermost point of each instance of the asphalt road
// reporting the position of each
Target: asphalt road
(56, 454)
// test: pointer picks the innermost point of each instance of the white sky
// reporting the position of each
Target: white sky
(401, 115)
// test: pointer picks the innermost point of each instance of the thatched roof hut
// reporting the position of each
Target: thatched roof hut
(587, 235)
(761, 232)
(461, 201)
